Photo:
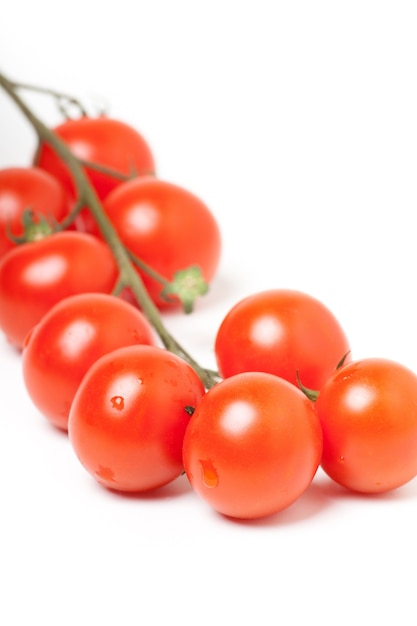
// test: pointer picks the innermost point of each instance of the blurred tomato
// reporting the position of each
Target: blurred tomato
(168, 228)
(106, 142)
(28, 188)
(35, 276)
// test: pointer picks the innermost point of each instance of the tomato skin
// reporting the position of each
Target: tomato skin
(69, 339)
(104, 141)
(368, 413)
(281, 331)
(167, 227)
(128, 417)
(253, 445)
(35, 276)
(23, 188)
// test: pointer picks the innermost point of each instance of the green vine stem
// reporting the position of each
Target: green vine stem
(62, 99)
(110, 172)
(87, 197)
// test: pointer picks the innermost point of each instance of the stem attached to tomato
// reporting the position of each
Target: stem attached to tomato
(87, 197)
(113, 173)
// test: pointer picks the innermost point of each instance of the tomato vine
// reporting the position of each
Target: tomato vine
(86, 196)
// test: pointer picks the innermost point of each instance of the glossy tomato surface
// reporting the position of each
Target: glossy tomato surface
(74, 334)
(253, 445)
(28, 188)
(282, 332)
(368, 413)
(37, 275)
(128, 417)
(107, 142)
(167, 227)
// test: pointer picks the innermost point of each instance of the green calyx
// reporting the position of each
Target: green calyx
(187, 285)
(312, 394)
(35, 227)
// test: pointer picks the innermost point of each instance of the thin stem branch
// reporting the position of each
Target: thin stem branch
(114, 173)
(59, 96)
(149, 270)
(88, 197)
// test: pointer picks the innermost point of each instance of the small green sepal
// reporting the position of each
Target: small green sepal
(311, 394)
(187, 285)
(342, 360)
(35, 227)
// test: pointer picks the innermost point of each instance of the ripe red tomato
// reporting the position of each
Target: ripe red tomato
(104, 141)
(281, 331)
(34, 276)
(167, 227)
(253, 445)
(69, 339)
(128, 417)
(23, 188)
(368, 413)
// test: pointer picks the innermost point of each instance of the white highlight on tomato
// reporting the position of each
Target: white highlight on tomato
(46, 271)
(238, 417)
(359, 397)
(143, 218)
(76, 338)
(266, 330)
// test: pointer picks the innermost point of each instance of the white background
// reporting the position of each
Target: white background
(296, 123)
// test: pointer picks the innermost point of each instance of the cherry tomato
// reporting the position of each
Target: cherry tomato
(253, 445)
(34, 276)
(281, 331)
(69, 339)
(104, 141)
(129, 415)
(368, 413)
(167, 227)
(23, 188)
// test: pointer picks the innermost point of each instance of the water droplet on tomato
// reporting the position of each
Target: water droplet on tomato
(105, 473)
(117, 402)
(209, 474)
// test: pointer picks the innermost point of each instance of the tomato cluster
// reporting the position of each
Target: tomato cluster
(287, 397)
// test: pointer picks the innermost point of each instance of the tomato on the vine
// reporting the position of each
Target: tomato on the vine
(253, 445)
(368, 413)
(106, 142)
(23, 189)
(167, 227)
(34, 276)
(74, 333)
(282, 332)
(129, 415)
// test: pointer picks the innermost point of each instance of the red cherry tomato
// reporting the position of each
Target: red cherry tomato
(69, 339)
(281, 331)
(128, 417)
(368, 413)
(34, 276)
(167, 227)
(23, 188)
(103, 141)
(253, 445)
